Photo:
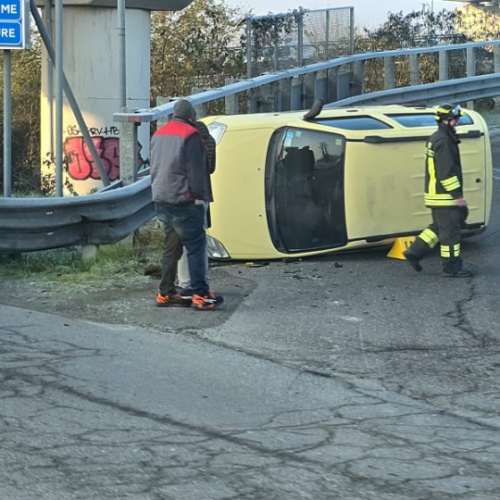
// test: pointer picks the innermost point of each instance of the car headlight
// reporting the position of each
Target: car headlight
(215, 249)
(217, 130)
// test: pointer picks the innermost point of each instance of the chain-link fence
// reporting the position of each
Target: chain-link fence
(282, 41)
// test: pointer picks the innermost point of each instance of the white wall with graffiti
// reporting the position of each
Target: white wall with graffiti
(91, 51)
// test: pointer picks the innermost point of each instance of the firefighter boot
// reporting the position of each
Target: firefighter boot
(417, 251)
(452, 268)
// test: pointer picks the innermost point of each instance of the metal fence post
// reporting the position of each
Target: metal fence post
(300, 41)
(327, 35)
(389, 73)
(249, 48)
(7, 123)
(444, 65)
(414, 70)
(471, 69)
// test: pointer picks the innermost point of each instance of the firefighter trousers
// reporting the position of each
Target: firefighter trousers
(445, 229)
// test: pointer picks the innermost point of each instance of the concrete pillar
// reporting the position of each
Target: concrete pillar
(389, 73)
(91, 60)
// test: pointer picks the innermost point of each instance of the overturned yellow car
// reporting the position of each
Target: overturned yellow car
(298, 184)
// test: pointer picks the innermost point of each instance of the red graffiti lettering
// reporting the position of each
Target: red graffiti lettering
(81, 165)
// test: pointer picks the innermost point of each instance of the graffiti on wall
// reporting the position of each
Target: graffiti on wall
(81, 166)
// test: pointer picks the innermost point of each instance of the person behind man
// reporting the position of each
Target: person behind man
(444, 196)
(180, 186)
(183, 277)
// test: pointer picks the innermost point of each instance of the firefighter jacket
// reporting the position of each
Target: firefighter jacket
(443, 169)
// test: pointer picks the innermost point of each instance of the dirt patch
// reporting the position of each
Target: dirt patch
(131, 302)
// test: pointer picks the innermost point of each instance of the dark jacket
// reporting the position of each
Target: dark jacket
(443, 168)
(178, 164)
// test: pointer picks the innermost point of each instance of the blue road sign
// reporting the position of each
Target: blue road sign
(14, 25)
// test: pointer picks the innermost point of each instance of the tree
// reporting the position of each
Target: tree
(197, 46)
(26, 82)
(416, 29)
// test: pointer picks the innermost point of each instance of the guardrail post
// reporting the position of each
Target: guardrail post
(201, 109)
(496, 58)
(285, 87)
(128, 152)
(296, 94)
(444, 65)
(414, 70)
(389, 73)
(332, 76)
(277, 97)
(310, 90)
(267, 99)
(231, 101)
(164, 119)
(253, 101)
(358, 78)
(471, 69)
(321, 86)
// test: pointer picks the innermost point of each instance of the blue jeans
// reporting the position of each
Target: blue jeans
(184, 225)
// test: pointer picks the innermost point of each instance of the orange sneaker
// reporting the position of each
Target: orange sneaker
(209, 301)
(172, 300)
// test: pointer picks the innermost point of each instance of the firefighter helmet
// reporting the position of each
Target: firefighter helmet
(448, 111)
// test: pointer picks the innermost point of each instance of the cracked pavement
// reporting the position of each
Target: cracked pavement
(348, 376)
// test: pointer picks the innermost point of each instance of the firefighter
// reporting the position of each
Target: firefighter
(444, 196)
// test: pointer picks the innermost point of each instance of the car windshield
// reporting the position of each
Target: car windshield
(305, 190)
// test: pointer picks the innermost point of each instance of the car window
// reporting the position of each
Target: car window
(354, 123)
(424, 120)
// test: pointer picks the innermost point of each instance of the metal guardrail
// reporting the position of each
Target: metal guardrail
(101, 218)
(164, 110)
(115, 212)
(463, 89)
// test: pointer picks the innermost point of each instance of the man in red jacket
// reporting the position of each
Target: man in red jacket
(180, 186)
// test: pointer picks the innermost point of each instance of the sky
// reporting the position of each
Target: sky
(367, 13)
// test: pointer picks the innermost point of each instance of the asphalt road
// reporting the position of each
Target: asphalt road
(345, 377)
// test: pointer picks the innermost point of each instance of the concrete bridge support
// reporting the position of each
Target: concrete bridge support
(91, 50)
